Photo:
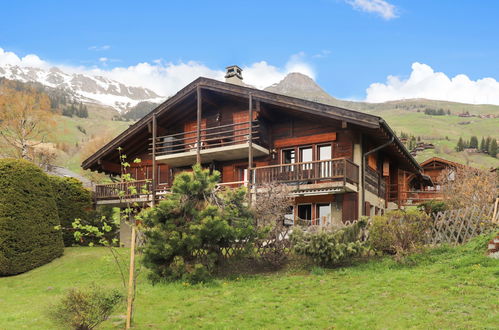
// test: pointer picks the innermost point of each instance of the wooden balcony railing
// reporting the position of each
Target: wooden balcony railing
(415, 197)
(340, 169)
(211, 137)
(123, 190)
(375, 183)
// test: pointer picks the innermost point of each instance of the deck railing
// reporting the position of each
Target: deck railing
(414, 197)
(122, 189)
(211, 137)
(339, 169)
(375, 183)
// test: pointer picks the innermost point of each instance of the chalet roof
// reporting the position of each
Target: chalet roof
(372, 125)
(441, 161)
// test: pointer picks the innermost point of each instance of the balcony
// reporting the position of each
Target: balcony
(332, 175)
(220, 143)
(375, 183)
(119, 193)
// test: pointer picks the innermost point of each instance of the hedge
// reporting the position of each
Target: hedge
(73, 201)
(28, 218)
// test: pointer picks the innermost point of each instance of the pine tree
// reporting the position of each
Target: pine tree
(482, 145)
(487, 143)
(493, 148)
(460, 145)
(474, 142)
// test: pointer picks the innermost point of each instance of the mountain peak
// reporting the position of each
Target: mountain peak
(86, 88)
(299, 85)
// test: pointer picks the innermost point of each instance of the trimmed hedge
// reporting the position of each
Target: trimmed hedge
(28, 217)
(73, 201)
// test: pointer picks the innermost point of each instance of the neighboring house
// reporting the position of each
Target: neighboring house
(417, 191)
(338, 163)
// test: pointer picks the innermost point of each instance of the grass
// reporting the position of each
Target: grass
(446, 287)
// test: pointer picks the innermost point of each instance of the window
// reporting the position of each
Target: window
(324, 152)
(305, 211)
(306, 155)
(288, 156)
(324, 213)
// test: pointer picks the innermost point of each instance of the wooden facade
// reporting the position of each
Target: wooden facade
(255, 138)
(418, 189)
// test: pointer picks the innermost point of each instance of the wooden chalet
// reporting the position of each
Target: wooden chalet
(418, 189)
(338, 163)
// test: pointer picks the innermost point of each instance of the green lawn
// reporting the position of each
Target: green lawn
(441, 288)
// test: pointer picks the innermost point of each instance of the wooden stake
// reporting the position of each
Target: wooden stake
(131, 280)
(494, 215)
(154, 167)
(198, 125)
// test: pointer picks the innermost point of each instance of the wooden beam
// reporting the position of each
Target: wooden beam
(154, 167)
(250, 139)
(198, 126)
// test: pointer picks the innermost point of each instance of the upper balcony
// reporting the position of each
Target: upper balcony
(220, 143)
(332, 175)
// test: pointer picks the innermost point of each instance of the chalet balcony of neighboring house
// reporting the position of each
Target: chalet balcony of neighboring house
(310, 178)
(219, 143)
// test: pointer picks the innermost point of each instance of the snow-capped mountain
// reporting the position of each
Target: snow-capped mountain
(86, 88)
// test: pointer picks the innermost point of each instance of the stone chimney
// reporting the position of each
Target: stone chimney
(234, 75)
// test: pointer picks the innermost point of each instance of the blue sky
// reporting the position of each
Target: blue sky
(347, 44)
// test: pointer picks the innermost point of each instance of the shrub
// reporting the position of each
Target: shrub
(85, 308)
(186, 232)
(73, 202)
(433, 206)
(328, 247)
(398, 232)
(28, 218)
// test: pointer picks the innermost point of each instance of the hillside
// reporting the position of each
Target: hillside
(409, 116)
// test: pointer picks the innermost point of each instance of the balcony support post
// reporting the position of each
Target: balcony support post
(250, 144)
(198, 126)
(154, 169)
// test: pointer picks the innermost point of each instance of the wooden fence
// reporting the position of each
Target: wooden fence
(460, 225)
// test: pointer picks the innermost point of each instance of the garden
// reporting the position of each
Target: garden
(208, 257)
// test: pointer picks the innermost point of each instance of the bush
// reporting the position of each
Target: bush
(28, 218)
(433, 206)
(398, 232)
(329, 247)
(186, 232)
(73, 202)
(85, 308)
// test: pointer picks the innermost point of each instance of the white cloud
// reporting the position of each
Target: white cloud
(424, 82)
(99, 48)
(380, 7)
(323, 53)
(166, 78)
(29, 60)
(261, 74)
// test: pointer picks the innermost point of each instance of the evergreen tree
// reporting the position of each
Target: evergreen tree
(482, 145)
(493, 148)
(487, 144)
(474, 142)
(460, 144)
